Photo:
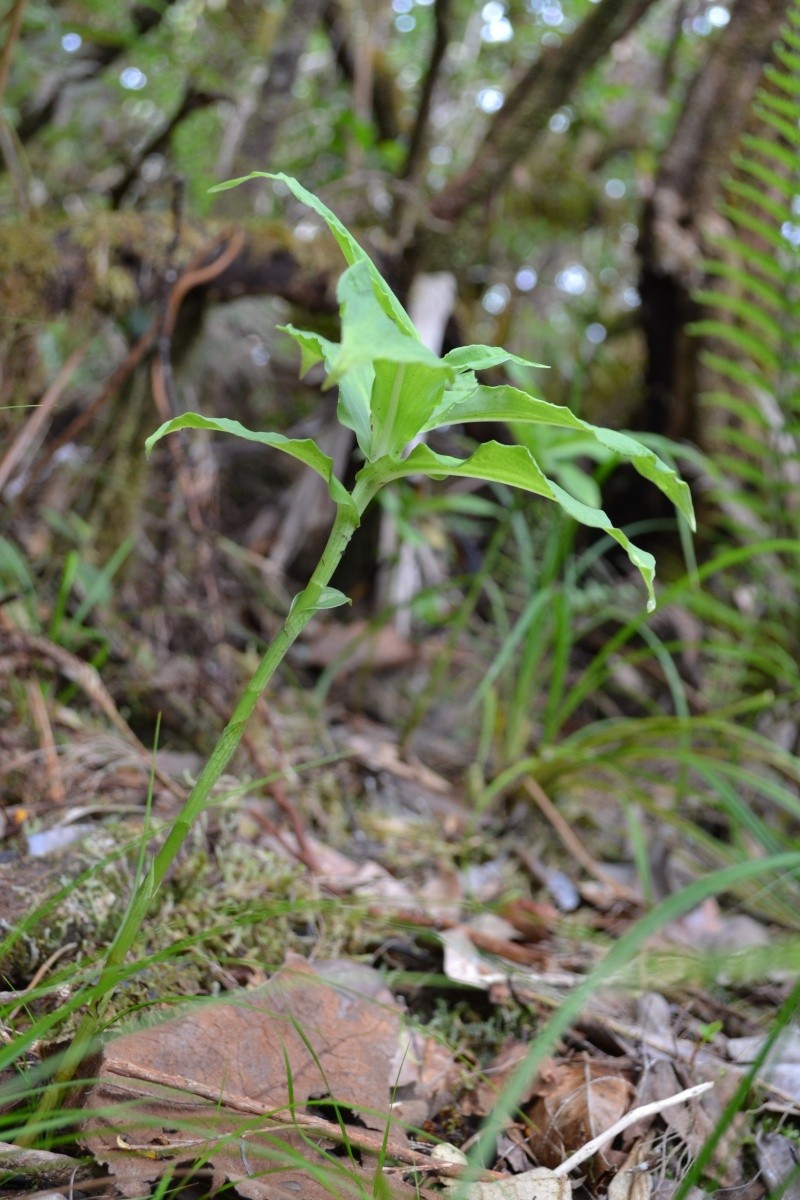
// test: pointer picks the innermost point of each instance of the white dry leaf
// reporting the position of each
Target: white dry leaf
(464, 964)
(444, 1152)
(538, 1184)
(633, 1181)
(630, 1185)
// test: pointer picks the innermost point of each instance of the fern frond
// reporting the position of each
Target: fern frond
(735, 371)
(741, 339)
(769, 296)
(750, 318)
(747, 310)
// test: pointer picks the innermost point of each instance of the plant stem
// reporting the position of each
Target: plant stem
(301, 612)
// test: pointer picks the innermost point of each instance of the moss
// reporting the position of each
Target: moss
(228, 911)
(29, 264)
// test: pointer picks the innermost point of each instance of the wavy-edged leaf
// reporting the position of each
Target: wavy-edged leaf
(506, 403)
(303, 449)
(354, 390)
(348, 245)
(389, 380)
(401, 399)
(481, 358)
(368, 334)
(516, 467)
(314, 348)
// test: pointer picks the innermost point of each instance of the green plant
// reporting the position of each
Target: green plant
(392, 391)
(751, 345)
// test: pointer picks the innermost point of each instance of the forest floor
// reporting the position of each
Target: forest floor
(373, 945)
(362, 950)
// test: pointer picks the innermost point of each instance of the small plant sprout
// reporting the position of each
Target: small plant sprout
(392, 390)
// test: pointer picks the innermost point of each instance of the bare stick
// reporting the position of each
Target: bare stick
(39, 417)
(630, 1118)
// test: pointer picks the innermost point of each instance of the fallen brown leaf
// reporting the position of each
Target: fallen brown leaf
(575, 1102)
(179, 1093)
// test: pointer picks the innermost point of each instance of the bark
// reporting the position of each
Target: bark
(545, 87)
(680, 213)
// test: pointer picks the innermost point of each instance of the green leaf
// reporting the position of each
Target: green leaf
(480, 358)
(313, 347)
(766, 263)
(355, 389)
(401, 399)
(750, 313)
(740, 338)
(507, 403)
(515, 466)
(771, 179)
(771, 297)
(753, 224)
(329, 597)
(368, 334)
(348, 245)
(302, 449)
(405, 379)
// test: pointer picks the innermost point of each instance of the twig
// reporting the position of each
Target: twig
(360, 1139)
(47, 742)
(572, 841)
(196, 274)
(16, 642)
(42, 1166)
(630, 1118)
(14, 26)
(32, 427)
(37, 978)
(277, 790)
(117, 377)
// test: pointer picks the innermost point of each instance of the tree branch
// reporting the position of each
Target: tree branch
(546, 85)
(441, 37)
